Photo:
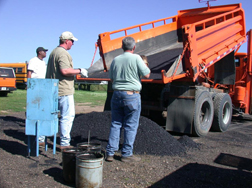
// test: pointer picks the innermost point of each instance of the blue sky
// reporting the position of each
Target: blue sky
(28, 24)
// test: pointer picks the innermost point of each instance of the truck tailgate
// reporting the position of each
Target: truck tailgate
(7, 83)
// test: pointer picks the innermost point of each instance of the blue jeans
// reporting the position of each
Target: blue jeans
(125, 112)
(67, 111)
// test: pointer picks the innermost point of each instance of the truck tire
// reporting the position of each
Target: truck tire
(203, 114)
(213, 94)
(222, 112)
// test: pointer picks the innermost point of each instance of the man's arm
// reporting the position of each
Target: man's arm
(143, 68)
(70, 71)
(29, 74)
(147, 75)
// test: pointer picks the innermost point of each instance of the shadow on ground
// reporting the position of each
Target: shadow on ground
(12, 119)
(56, 173)
(198, 175)
(14, 147)
(240, 163)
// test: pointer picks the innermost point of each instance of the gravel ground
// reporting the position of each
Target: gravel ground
(217, 160)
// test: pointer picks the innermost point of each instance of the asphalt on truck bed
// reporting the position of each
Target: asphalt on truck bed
(157, 62)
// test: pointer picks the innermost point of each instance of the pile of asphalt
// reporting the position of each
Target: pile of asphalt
(187, 142)
(151, 138)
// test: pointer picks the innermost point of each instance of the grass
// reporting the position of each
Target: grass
(90, 98)
(16, 101)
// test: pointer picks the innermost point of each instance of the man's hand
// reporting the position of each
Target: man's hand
(84, 72)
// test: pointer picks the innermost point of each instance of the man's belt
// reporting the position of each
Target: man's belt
(128, 92)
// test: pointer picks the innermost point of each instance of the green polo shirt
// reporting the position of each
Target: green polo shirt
(125, 71)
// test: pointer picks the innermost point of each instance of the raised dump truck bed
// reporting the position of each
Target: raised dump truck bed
(206, 34)
(193, 67)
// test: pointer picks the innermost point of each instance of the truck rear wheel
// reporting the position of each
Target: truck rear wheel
(203, 113)
(222, 112)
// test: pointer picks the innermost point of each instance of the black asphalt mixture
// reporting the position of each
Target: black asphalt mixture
(151, 139)
(217, 160)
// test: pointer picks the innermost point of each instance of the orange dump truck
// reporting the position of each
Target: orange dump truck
(198, 79)
(7, 81)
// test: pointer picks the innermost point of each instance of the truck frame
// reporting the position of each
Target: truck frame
(198, 78)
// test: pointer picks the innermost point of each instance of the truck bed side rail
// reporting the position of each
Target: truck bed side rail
(110, 48)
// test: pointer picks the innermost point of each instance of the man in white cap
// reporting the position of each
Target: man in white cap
(60, 66)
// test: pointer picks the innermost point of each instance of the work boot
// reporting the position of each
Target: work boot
(131, 158)
(41, 144)
(110, 158)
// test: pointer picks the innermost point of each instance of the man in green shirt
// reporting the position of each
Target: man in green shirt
(125, 72)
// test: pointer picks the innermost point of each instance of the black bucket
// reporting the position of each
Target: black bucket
(69, 164)
(89, 147)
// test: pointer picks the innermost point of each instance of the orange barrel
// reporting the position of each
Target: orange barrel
(239, 93)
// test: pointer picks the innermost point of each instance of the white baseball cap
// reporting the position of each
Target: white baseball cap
(68, 35)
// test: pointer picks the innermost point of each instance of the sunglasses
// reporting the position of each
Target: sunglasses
(72, 41)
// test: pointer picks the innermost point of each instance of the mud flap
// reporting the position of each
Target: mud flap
(180, 110)
(107, 106)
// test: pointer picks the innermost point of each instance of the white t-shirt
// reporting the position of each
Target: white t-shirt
(38, 68)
